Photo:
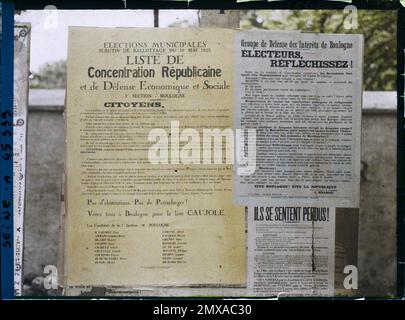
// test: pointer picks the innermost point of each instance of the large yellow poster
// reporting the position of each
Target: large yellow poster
(146, 204)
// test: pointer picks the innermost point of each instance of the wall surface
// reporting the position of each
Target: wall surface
(377, 227)
(44, 170)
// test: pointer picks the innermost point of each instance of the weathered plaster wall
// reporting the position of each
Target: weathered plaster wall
(377, 227)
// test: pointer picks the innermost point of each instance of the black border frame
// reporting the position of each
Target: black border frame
(287, 4)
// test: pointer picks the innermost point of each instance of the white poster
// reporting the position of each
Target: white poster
(291, 251)
(302, 94)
